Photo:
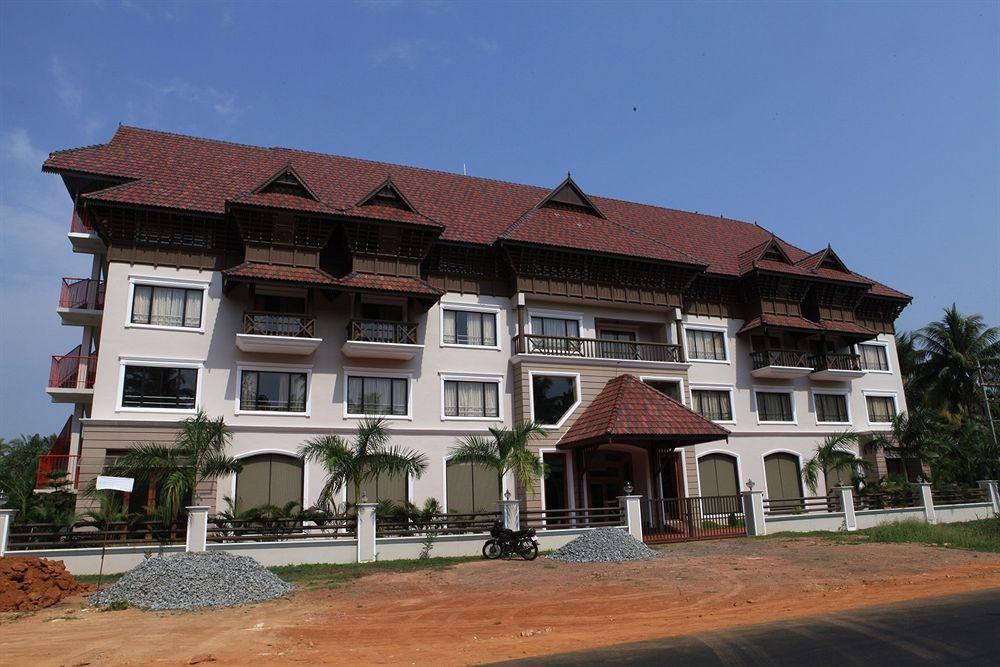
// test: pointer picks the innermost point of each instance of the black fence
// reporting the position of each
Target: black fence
(84, 534)
(222, 529)
(694, 518)
(581, 517)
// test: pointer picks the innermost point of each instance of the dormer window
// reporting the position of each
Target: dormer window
(568, 195)
(287, 182)
(387, 194)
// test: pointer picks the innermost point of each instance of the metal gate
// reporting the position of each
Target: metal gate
(695, 518)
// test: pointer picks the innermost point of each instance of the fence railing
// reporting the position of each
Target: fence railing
(84, 534)
(959, 496)
(261, 323)
(881, 500)
(802, 505)
(581, 517)
(82, 293)
(835, 362)
(382, 331)
(694, 518)
(595, 348)
(54, 465)
(438, 524)
(73, 371)
(222, 529)
(79, 224)
(790, 358)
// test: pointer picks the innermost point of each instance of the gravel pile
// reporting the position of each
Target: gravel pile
(190, 580)
(604, 545)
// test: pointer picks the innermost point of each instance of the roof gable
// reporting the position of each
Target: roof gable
(286, 182)
(387, 194)
(569, 194)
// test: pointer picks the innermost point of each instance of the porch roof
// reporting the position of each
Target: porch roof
(628, 411)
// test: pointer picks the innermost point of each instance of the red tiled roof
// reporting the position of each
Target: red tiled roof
(287, 274)
(847, 328)
(380, 283)
(780, 321)
(188, 173)
(627, 410)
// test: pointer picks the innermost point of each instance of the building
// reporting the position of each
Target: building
(292, 293)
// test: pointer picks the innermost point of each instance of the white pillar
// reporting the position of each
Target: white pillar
(992, 492)
(633, 515)
(6, 519)
(366, 532)
(846, 495)
(753, 512)
(511, 512)
(197, 528)
(926, 501)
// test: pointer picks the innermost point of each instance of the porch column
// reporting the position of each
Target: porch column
(633, 515)
(197, 528)
(6, 519)
(753, 513)
(366, 532)
(846, 496)
(926, 501)
(511, 512)
(992, 492)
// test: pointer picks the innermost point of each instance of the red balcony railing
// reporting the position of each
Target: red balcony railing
(54, 465)
(73, 370)
(82, 293)
(80, 224)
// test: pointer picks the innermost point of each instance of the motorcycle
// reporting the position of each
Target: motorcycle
(506, 542)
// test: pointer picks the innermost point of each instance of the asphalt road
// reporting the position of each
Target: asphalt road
(953, 630)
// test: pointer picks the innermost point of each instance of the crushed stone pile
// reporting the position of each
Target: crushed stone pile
(191, 580)
(27, 584)
(604, 545)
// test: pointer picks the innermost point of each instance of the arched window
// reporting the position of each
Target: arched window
(472, 488)
(383, 487)
(784, 478)
(718, 475)
(269, 479)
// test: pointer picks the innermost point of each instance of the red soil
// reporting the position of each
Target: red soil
(28, 584)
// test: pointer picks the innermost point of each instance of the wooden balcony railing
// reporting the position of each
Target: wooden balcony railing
(80, 225)
(82, 293)
(595, 348)
(835, 362)
(790, 358)
(53, 466)
(73, 370)
(261, 323)
(382, 331)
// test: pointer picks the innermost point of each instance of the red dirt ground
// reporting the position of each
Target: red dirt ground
(27, 584)
(486, 611)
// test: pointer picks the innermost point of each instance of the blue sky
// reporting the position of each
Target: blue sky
(874, 126)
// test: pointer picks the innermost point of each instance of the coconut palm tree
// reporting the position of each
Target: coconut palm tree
(910, 358)
(833, 456)
(197, 454)
(952, 349)
(367, 455)
(505, 450)
(914, 436)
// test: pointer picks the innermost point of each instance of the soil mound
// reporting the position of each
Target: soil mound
(27, 584)
(604, 545)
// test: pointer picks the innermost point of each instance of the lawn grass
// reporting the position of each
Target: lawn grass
(978, 535)
(330, 575)
(92, 578)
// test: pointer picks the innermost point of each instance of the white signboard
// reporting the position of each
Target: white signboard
(106, 482)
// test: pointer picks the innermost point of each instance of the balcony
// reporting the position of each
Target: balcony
(381, 339)
(779, 364)
(71, 377)
(83, 237)
(278, 333)
(595, 348)
(81, 302)
(53, 467)
(834, 366)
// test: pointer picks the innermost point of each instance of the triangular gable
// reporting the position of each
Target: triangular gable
(387, 194)
(824, 259)
(287, 181)
(569, 194)
(769, 250)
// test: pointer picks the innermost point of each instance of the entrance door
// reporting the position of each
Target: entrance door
(624, 349)
(606, 477)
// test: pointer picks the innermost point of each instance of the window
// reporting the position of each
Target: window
(167, 306)
(461, 327)
(671, 388)
(394, 488)
(269, 479)
(273, 391)
(714, 404)
(556, 482)
(159, 387)
(624, 348)
(831, 408)
(783, 477)
(550, 334)
(774, 407)
(472, 487)
(706, 345)
(717, 475)
(377, 396)
(471, 399)
(874, 357)
(881, 409)
(553, 396)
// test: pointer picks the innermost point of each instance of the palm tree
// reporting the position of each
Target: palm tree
(832, 456)
(952, 348)
(198, 454)
(505, 450)
(368, 455)
(19, 470)
(914, 436)
(910, 358)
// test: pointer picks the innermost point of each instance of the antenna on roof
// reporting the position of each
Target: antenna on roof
(465, 172)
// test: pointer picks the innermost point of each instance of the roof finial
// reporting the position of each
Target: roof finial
(568, 175)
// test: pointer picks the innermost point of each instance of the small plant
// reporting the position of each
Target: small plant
(120, 604)
(427, 545)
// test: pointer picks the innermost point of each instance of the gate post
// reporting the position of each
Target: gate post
(992, 493)
(633, 515)
(6, 518)
(197, 528)
(366, 532)
(753, 513)
(511, 512)
(846, 495)
(926, 501)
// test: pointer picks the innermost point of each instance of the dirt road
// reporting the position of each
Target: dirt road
(487, 611)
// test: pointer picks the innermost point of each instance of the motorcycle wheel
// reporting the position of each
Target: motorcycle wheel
(528, 550)
(491, 550)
